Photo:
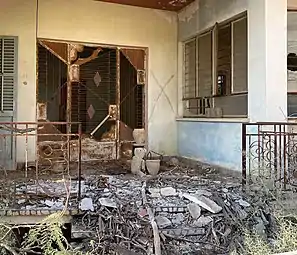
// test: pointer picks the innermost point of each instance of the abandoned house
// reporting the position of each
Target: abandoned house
(81, 78)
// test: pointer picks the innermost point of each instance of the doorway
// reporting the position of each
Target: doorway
(101, 87)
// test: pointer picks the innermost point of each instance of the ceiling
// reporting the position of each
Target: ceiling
(170, 5)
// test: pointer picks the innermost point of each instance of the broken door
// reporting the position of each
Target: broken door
(81, 80)
(132, 88)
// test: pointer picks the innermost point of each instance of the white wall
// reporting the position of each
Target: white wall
(18, 19)
(203, 14)
(102, 23)
(267, 39)
(97, 22)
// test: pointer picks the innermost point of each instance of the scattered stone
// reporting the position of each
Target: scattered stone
(168, 192)
(155, 193)
(260, 227)
(174, 161)
(86, 204)
(242, 214)
(178, 219)
(107, 202)
(243, 203)
(163, 222)
(204, 202)
(178, 232)
(194, 210)
(202, 221)
(203, 193)
(22, 201)
(142, 212)
(225, 190)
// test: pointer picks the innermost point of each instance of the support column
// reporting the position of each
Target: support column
(267, 60)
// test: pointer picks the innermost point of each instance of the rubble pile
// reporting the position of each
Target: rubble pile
(193, 214)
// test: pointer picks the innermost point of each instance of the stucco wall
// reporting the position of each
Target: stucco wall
(96, 22)
(18, 19)
(211, 142)
(219, 143)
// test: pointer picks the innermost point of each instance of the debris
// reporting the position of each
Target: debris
(163, 222)
(86, 204)
(178, 219)
(204, 202)
(202, 221)
(243, 203)
(107, 202)
(194, 210)
(168, 192)
(142, 212)
(155, 193)
(203, 192)
(174, 161)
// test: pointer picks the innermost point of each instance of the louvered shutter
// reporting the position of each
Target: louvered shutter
(7, 74)
(205, 65)
(239, 72)
(189, 90)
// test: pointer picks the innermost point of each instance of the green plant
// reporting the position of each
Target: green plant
(48, 237)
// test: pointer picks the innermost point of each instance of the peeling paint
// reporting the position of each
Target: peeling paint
(188, 12)
(171, 19)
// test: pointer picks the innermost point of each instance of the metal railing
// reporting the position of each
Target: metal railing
(269, 152)
(40, 167)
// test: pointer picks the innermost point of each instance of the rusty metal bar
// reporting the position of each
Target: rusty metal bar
(285, 160)
(118, 101)
(69, 90)
(243, 155)
(79, 161)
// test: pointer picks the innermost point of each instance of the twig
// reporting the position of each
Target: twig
(157, 243)
(190, 241)
(6, 247)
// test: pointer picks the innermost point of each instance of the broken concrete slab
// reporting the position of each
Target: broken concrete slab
(163, 222)
(86, 204)
(168, 192)
(178, 219)
(107, 202)
(202, 221)
(194, 210)
(155, 192)
(204, 202)
(243, 203)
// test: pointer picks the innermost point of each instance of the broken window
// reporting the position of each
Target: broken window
(292, 64)
(215, 72)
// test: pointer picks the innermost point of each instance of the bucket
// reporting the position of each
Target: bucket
(153, 166)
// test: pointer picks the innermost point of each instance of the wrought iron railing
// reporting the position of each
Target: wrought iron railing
(40, 167)
(269, 153)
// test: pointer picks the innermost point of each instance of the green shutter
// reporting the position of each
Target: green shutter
(7, 73)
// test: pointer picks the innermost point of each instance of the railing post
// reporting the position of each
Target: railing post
(243, 154)
(79, 161)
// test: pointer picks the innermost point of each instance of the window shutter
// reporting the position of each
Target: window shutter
(205, 65)
(189, 90)
(7, 73)
(239, 71)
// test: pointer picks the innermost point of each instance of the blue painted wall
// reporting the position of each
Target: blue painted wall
(211, 142)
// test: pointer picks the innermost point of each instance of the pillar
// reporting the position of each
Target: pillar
(267, 60)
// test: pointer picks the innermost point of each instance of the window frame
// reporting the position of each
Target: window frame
(214, 40)
(12, 113)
